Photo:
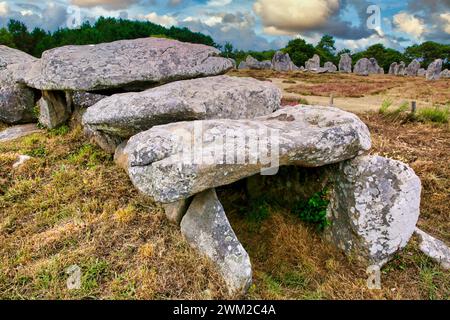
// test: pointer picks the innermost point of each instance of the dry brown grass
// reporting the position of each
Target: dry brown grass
(353, 86)
(72, 205)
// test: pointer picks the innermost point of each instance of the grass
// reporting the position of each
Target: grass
(72, 206)
(436, 114)
(353, 86)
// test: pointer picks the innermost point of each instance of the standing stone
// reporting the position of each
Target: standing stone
(434, 248)
(126, 64)
(16, 103)
(175, 211)
(392, 68)
(253, 64)
(243, 66)
(400, 70)
(345, 63)
(362, 67)
(422, 72)
(313, 64)
(374, 68)
(445, 74)
(53, 109)
(374, 208)
(330, 67)
(434, 70)
(282, 62)
(206, 228)
(413, 68)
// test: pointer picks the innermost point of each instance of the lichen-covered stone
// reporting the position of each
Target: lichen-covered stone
(16, 100)
(413, 68)
(17, 132)
(434, 70)
(345, 63)
(165, 165)
(392, 68)
(330, 67)
(313, 64)
(124, 64)
(53, 109)
(374, 208)
(434, 248)
(124, 115)
(400, 69)
(252, 63)
(206, 228)
(282, 62)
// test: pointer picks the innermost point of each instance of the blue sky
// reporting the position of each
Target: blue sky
(258, 24)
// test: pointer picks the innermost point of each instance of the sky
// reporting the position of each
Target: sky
(258, 24)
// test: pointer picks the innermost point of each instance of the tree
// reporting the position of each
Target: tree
(228, 50)
(6, 38)
(22, 39)
(429, 51)
(385, 56)
(299, 51)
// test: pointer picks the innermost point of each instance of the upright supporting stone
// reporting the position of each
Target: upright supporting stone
(54, 109)
(176, 211)
(206, 228)
(374, 208)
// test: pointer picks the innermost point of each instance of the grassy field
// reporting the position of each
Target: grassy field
(71, 205)
(355, 93)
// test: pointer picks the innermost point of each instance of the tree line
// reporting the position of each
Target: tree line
(300, 51)
(36, 41)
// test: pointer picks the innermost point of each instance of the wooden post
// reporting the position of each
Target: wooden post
(331, 100)
(413, 107)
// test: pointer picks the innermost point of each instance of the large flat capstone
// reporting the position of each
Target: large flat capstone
(124, 115)
(125, 63)
(178, 160)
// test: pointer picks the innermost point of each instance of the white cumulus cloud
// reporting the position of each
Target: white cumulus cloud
(164, 20)
(409, 24)
(3, 8)
(445, 17)
(294, 16)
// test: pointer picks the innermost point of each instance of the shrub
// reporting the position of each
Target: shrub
(435, 114)
(314, 210)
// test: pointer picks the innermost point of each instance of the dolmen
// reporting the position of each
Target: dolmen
(180, 128)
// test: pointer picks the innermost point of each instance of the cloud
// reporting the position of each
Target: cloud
(237, 28)
(294, 16)
(218, 3)
(107, 4)
(164, 20)
(409, 24)
(445, 17)
(3, 8)
(50, 17)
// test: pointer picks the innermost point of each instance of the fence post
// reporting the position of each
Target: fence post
(413, 107)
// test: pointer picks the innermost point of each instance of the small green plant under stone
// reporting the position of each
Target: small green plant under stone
(314, 210)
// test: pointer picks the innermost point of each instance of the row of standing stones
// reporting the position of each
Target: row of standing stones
(144, 100)
(364, 67)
